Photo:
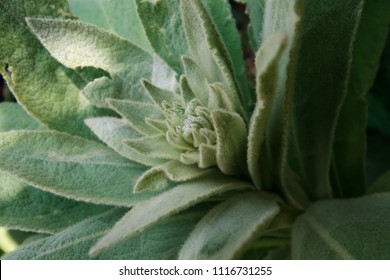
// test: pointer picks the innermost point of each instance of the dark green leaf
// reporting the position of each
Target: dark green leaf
(227, 230)
(350, 142)
(344, 229)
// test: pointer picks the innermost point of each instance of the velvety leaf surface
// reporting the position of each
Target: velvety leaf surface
(77, 44)
(208, 49)
(25, 208)
(282, 17)
(70, 166)
(231, 142)
(169, 202)
(13, 117)
(320, 86)
(267, 61)
(136, 112)
(221, 16)
(344, 229)
(164, 28)
(247, 216)
(315, 84)
(119, 17)
(52, 99)
(114, 132)
(162, 241)
(350, 146)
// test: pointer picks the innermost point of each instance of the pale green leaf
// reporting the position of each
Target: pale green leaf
(185, 90)
(164, 76)
(77, 44)
(161, 241)
(158, 95)
(119, 17)
(208, 50)
(136, 112)
(247, 216)
(222, 17)
(13, 117)
(159, 125)
(196, 80)
(157, 177)
(23, 207)
(164, 205)
(101, 89)
(231, 142)
(47, 90)
(164, 28)
(344, 229)
(284, 18)
(113, 132)
(70, 166)
(350, 141)
(267, 62)
(218, 98)
(207, 156)
(154, 147)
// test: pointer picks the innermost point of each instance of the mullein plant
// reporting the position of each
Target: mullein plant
(139, 135)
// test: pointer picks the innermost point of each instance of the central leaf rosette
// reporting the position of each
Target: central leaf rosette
(190, 127)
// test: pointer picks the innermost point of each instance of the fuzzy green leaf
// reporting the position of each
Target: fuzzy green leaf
(231, 142)
(77, 44)
(267, 62)
(119, 17)
(154, 147)
(283, 18)
(247, 215)
(222, 17)
(164, 76)
(161, 241)
(13, 117)
(158, 95)
(45, 160)
(208, 50)
(344, 229)
(164, 205)
(23, 207)
(164, 28)
(350, 141)
(218, 98)
(157, 177)
(113, 132)
(46, 89)
(136, 112)
(196, 79)
(313, 88)
(320, 87)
